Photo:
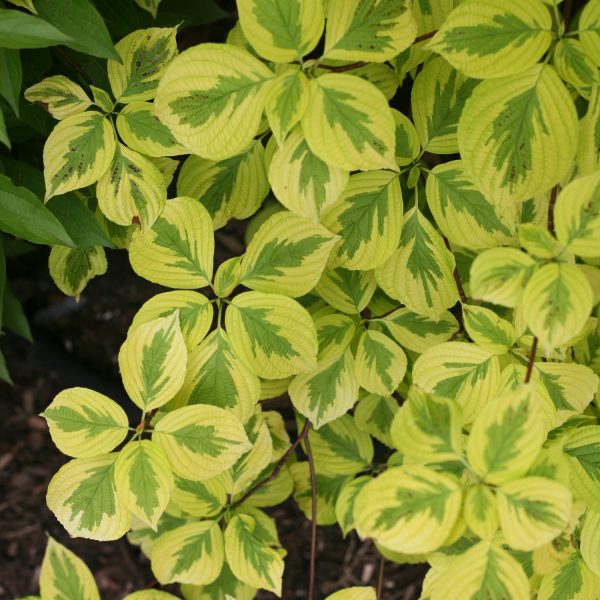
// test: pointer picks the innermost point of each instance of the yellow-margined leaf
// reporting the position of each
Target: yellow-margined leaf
(577, 216)
(226, 587)
(212, 98)
(368, 218)
(494, 38)
(84, 423)
(589, 29)
(538, 241)
(349, 124)
(282, 31)
(145, 54)
(230, 188)
(380, 363)
(286, 255)
(375, 414)
(382, 76)
(464, 372)
(347, 291)
(252, 559)
(487, 329)
(64, 575)
(150, 594)
(480, 511)
(83, 498)
(71, 269)
(375, 30)
(575, 65)
(178, 250)
(78, 152)
(499, 275)
(227, 276)
(408, 509)
(571, 580)
(144, 480)
(484, 571)
(464, 215)
(152, 361)
(557, 302)
(407, 140)
(344, 506)
(354, 593)
(437, 99)
(272, 334)
(102, 99)
(192, 553)
(518, 135)
(588, 153)
(507, 435)
(420, 272)
(143, 132)
(428, 428)
(194, 309)
(590, 540)
(334, 333)
(132, 190)
(201, 441)
(303, 182)
(199, 498)
(533, 511)
(582, 448)
(60, 96)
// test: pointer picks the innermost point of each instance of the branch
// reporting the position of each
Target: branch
(551, 204)
(313, 525)
(302, 435)
(459, 285)
(76, 66)
(532, 352)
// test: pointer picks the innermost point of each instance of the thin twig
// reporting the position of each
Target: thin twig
(313, 525)
(459, 285)
(551, 204)
(302, 435)
(342, 68)
(380, 577)
(568, 6)
(80, 70)
(425, 36)
(532, 352)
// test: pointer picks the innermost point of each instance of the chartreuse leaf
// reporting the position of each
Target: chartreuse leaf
(590, 540)
(150, 594)
(499, 275)
(231, 188)
(192, 553)
(78, 152)
(538, 241)
(152, 361)
(347, 291)
(178, 250)
(60, 96)
(533, 511)
(485, 570)
(417, 332)
(71, 269)
(588, 155)
(480, 511)
(272, 334)
(375, 414)
(83, 498)
(487, 329)
(375, 30)
(506, 436)
(409, 509)
(303, 182)
(201, 441)
(132, 190)
(557, 302)
(227, 276)
(64, 575)
(28, 4)
(248, 468)
(464, 215)
(464, 372)
(344, 505)
(518, 135)
(328, 391)
(102, 99)
(286, 101)
(226, 586)
(340, 447)
(286, 255)
(282, 31)
(250, 558)
(145, 54)
(575, 65)
(570, 580)
(407, 141)
(194, 309)
(84, 423)
(354, 593)
(150, 5)
(334, 333)
(143, 132)
(428, 428)
(494, 38)
(438, 96)
(215, 375)
(349, 124)
(199, 498)
(582, 452)
(577, 216)
(380, 363)
(212, 98)
(589, 29)
(368, 219)
(420, 272)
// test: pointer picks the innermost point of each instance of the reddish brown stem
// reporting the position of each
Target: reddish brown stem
(551, 205)
(532, 352)
(425, 36)
(313, 514)
(459, 285)
(380, 577)
(342, 68)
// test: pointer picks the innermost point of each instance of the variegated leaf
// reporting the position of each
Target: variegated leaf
(72, 269)
(60, 96)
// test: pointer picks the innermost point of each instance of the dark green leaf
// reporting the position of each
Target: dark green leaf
(11, 77)
(13, 316)
(22, 30)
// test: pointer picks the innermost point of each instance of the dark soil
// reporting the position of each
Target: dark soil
(77, 345)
